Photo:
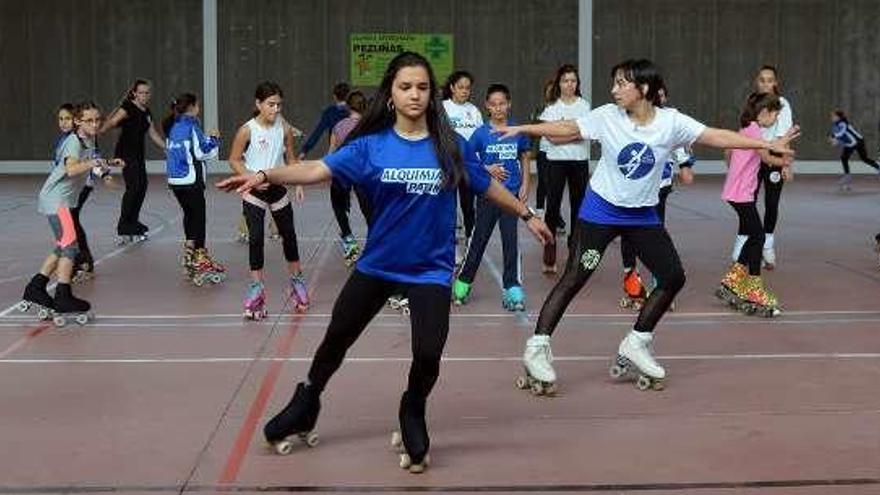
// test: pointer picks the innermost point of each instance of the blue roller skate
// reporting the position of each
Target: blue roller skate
(350, 250)
(514, 299)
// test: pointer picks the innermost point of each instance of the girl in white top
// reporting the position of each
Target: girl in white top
(772, 177)
(265, 142)
(568, 161)
(465, 118)
(637, 138)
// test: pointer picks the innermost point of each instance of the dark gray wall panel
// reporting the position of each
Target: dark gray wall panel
(826, 50)
(303, 45)
(59, 50)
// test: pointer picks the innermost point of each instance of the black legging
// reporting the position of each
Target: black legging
(863, 154)
(135, 175)
(541, 192)
(771, 178)
(627, 250)
(653, 246)
(468, 213)
(340, 200)
(360, 299)
(192, 201)
(275, 199)
(84, 255)
(576, 174)
(750, 225)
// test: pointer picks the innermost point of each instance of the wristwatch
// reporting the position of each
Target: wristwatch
(528, 215)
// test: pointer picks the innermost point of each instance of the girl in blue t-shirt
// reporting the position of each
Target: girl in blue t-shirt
(508, 161)
(405, 157)
(637, 137)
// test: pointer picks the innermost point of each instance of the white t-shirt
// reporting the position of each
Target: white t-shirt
(266, 147)
(784, 122)
(560, 110)
(633, 157)
(465, 118)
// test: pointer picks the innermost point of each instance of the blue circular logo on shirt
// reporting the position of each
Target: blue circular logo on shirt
(635, 160)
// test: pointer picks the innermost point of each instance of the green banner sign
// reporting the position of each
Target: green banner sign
(371, 52)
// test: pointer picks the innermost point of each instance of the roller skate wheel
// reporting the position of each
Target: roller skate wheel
(420, 468)
(44, 314)
(394, 303)
(310, 439)
(617, 371)
(405, 311)
(59, 321)
(198, 281)
(216, 278)
(522, 382)
(82, 319)
(405, 461)
(284, 447)
(396, 439)
(536, 388)
(24, 306)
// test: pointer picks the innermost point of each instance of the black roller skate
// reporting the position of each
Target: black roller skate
(68, 306)
(35, 295)
(412, 439)
(296, 420)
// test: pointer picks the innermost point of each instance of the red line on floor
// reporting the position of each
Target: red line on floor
(24, 339)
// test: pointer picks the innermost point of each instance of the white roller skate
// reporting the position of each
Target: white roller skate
(540, 378)
(125, 240)
(399, 303)
(769, 252)
(845, 183)
(635, 352)
(514, 299)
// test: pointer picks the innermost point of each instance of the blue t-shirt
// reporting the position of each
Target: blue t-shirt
(412, 236)
(491, 151)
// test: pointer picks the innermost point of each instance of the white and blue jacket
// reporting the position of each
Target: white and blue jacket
(186, 149)
(845, 134)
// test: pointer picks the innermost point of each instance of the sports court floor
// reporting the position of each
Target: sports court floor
(168, 390)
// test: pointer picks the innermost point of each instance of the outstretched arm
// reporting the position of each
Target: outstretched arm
(307, 172)
(559, 131)
(725, 139)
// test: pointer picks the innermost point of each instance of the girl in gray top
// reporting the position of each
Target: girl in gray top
(74, 158)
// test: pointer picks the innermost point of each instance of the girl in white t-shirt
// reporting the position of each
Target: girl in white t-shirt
(770, 176)
(637, 138)
(568, 160)
(465, 118)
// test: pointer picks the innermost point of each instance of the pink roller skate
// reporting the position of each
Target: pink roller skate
(255, 302)
(298, 293)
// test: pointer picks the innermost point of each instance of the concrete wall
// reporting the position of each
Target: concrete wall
(54, 51)
(826, 51)
(303, 45)
(57, 50)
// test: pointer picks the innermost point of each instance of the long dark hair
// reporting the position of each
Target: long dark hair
(771, 68)
(642, 72)
(563, 70)
(178, 107)
(380, 116)
(264, 90)
(453, 79)
(757, 102)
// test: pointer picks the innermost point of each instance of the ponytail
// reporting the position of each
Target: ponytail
(178, 107)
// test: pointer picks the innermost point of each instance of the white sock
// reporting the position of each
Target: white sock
(738, 244)
(768, 241)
